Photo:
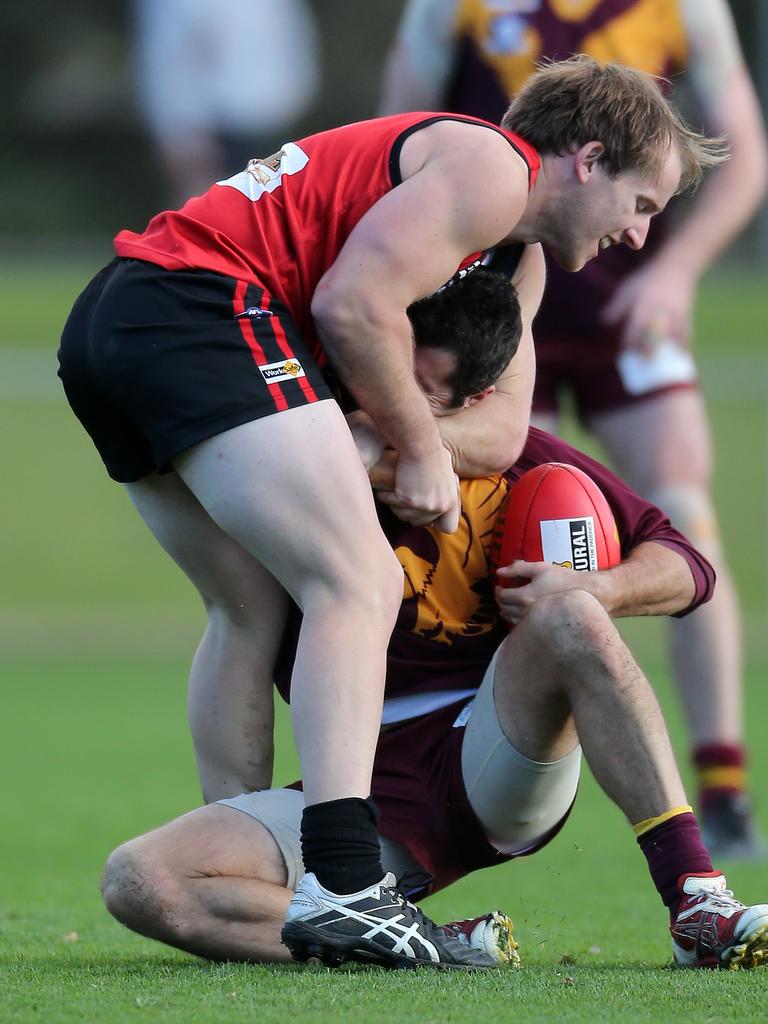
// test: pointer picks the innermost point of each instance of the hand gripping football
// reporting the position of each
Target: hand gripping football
(556, 513)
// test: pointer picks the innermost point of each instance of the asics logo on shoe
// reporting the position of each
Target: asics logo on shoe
(717, 906)
(376, 925)
(400, 938)
(713, 929)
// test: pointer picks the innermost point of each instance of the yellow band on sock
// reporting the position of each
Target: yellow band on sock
(724, 776)
(648, 823)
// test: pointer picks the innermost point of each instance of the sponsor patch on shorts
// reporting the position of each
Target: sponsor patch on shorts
(463, 716)
(286, 369)
(570, 543)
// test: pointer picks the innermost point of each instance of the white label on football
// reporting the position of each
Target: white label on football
(570, 543)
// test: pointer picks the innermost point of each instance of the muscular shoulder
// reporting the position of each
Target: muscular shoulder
(472, 151)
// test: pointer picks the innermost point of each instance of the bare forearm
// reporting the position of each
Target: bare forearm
(489, 436)
(486, 438)
(652, 580)
(379, 374)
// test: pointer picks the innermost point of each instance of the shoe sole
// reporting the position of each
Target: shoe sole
(746, 955)
(307, 943)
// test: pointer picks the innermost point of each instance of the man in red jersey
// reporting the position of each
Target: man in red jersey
(479, 754)
(197, 352)
(618, 337)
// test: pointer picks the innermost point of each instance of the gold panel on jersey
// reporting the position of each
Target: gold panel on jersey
(649, 36)
(454, 593)
(514, 69)
(573, 10)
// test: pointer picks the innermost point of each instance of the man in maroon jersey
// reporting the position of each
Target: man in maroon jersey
(619, 336)
(197, 352)
(479, 753)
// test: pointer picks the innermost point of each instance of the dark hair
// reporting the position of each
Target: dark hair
(569, 103)
(478, 319)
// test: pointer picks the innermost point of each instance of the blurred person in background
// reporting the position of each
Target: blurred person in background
(619, 336)
(221, 82)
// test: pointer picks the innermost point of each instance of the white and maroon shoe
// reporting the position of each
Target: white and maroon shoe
(491, 934)
(712, 929)
(377, 925)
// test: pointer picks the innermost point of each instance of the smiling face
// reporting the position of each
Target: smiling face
(595, 211)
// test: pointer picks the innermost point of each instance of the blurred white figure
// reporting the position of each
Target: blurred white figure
(220, 82)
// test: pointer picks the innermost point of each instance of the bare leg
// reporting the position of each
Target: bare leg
(230, 686)
(564, 673)
(292, 491)
(662, 448)
(211, 882)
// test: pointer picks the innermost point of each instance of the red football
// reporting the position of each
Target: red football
(556, 513)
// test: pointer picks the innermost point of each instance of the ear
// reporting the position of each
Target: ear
(586, 160)
(479, 396)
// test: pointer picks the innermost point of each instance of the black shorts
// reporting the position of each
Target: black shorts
(154, 361)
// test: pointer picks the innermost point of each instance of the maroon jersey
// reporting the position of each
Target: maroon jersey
(449, 627)
(281, 223)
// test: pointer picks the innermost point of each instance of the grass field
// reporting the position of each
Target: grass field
(96, 633)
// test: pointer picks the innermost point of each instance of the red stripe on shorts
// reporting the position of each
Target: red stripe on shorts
(285, 348)
(246, 328)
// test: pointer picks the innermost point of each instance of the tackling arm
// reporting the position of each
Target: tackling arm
(488, 437)
(407, 245)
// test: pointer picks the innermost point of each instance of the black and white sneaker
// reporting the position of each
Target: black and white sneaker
(377, 925)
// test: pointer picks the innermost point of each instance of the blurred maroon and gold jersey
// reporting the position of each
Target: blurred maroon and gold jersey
(448, 627)
(497, 47)
(281, 222)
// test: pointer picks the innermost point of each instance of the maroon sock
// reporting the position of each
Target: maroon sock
(672, 849)
(721, 768)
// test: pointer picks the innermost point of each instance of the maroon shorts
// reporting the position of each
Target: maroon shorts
(154, 361)
(419, 790)
(586, 370)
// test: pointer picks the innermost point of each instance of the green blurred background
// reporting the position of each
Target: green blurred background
(97, 627)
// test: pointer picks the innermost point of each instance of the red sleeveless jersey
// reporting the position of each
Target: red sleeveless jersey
(282, 222)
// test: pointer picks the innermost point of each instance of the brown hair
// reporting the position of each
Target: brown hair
(566, 104)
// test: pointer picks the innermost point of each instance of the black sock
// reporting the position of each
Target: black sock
(340, 844)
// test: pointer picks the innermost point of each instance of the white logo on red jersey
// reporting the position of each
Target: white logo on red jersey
(253, 186)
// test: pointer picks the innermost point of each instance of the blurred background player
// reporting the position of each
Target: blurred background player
(619, 336)
(220, 83)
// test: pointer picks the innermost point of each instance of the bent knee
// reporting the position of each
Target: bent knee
(370, 587)
(570, 621)
(141, 892)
